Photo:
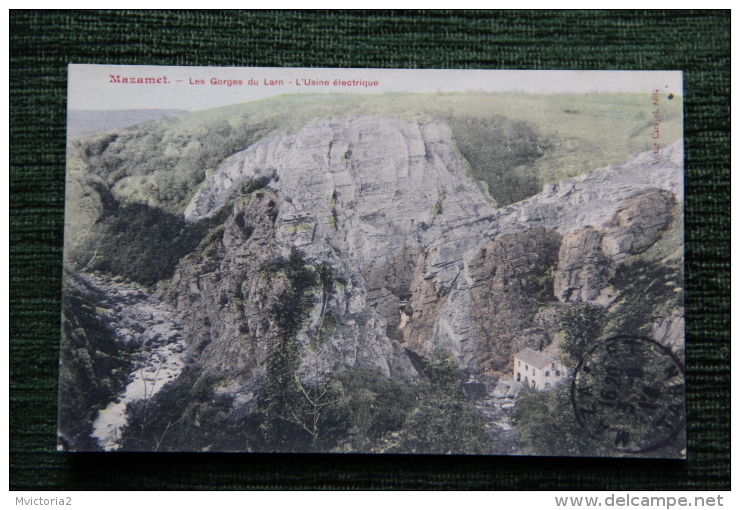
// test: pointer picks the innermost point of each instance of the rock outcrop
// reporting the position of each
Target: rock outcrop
(637, 223)
(363, 196)
(221, 296)
(583, 268)
(589, 255)
(428, 262)
(507, 279)
(670, 330)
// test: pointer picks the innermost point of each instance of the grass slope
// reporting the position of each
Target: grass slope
(511, 143)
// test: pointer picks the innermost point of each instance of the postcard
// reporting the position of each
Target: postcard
(373, 261)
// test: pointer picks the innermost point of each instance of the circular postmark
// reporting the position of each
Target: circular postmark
(628, 393)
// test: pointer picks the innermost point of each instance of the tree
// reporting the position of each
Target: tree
(582, 324)
(443, 373)
(292, 411)
(442, 422)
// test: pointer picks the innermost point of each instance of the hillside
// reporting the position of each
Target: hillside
(510, 143)
(333, 282)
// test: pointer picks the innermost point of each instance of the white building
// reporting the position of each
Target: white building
(536, 370)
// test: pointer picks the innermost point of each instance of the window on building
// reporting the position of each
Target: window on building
(557, 373)
(547, 385)
(553, 366)
(526, 380)
(526, 367)
(534, 386)
(520, 363)
(547, 374)
(518, 377)
(534, 372)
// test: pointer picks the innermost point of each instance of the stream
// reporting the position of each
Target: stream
(149, 329)
(497, 408)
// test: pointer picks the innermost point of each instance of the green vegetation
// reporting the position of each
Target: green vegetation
(238, 305)
(437, 209)
(301, 227)
(162, 163)
(128, 190)
(442, 421)
(325, 329)
(361, 411)
(288, 410)
(185, 415)
(141, 243)
(546, 425)
(649, 285)
(247, 191)
(582, 325)
(144, 244)
(333, 216)
(122, 184)
(92, 369)
(545, 294)
(296, 302)
(647, 291)
(506, 138)
(352, 411)
(484, 188)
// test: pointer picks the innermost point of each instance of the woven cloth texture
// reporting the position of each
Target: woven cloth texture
(43, 43)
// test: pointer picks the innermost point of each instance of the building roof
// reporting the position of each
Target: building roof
(533, 358)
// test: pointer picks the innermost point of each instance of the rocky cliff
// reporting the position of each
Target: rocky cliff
(425, 260)
(364, 197)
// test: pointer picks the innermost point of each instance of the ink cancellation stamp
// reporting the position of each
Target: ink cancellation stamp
(628, 392)
(373, 261)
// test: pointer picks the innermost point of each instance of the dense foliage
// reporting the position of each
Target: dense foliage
(648, 286)
(546, 425)
(144, 244)
(186, 415)
(141, 243)
(132, 186)
(128, 188)
(352, 411)
(501, 153)
(92, 369)
(648, 290)
(582, 324)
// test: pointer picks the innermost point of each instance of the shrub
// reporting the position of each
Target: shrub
(582, 324)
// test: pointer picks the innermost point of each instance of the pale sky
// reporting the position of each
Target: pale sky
(90, 87)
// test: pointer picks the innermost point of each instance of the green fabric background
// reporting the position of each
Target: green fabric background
(43, 43)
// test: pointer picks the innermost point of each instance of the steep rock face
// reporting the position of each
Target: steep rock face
(631, 202)
(588, 256)
(593, 198)
(427, 298)
(358, 192)
(389, 290)
(638, 221)
(362, 196)
(506, 276)
(221, 296)
(427, 262)
(583, 269)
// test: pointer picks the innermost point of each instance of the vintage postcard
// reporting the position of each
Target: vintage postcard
(376, 261)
